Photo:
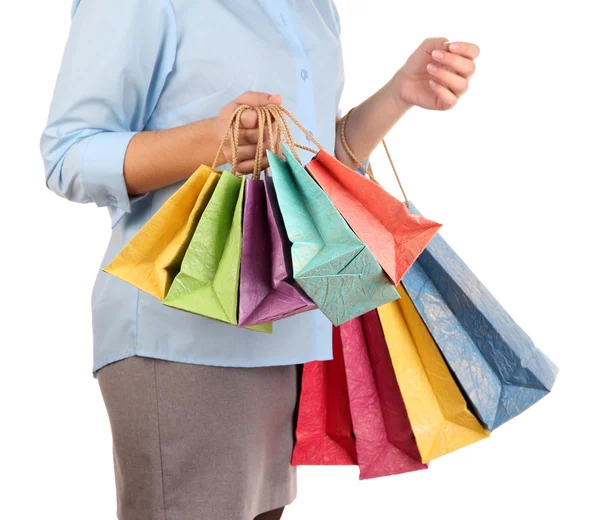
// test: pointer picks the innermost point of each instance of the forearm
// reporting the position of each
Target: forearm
(158, 158)
(369, 123)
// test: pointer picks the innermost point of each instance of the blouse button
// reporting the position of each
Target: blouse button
(304, 74)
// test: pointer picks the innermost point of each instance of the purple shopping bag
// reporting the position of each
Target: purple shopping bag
(267, 289)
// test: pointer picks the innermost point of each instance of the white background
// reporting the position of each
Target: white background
(511, 172)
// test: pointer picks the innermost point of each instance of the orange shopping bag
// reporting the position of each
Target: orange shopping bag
(395, 236)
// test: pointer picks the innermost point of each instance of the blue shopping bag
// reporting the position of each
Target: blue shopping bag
(500, 370)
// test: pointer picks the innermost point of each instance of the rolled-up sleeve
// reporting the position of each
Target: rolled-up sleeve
(115, 65)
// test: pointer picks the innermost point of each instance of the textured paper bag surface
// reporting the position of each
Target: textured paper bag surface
(395, 417)
(208, 282)
(267, 289)
(152, 258)
(438, 412)
(505, 373)
(323, 431)
(333, 267)
(394, 235)
(377, 456)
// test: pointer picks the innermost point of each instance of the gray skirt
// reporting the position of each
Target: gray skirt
(195, 442)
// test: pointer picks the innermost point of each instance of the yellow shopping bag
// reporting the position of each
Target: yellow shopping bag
(152, 258)
(436, 408)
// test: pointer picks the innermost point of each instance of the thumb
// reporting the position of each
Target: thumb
(258, 99)
(431, 44)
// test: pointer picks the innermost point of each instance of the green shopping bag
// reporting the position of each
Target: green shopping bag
(208, 282)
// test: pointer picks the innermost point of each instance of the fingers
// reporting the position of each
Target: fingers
(446, 97)
(248, 130)
(454, 65)
(465, 49)
(430, 44)
(249, 119)
(465, 67)
(454, 82)
(248, 153)
(248, 166)
(246, 158)
(248, 136)
(258, 99)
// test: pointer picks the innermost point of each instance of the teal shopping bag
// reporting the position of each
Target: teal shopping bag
(330, 263)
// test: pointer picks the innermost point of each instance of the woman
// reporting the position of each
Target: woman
(202, 413)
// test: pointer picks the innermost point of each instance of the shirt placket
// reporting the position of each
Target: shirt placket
(285, 15)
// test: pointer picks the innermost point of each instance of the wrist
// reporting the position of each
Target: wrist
(213, 130)
(212, 136)
(340, 150)
(396, 90)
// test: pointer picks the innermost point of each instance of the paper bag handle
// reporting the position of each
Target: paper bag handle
(233, 130)
(260, 141)
(230, 131)
(369, 169)
(279, 112)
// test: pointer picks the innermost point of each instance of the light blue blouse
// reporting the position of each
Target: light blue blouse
(134, 65)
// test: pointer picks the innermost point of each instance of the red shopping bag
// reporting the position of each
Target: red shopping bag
(395, 417)
(377, 455)
(324, 429)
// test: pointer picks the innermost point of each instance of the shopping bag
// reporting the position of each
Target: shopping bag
(267, 289)
(395, 236)
(438, 412)
(377, 456)
(333, 267)
(395, 417)
(208, 281)
(152, 258)
(339, 419)
(324, 426)
(496, 363)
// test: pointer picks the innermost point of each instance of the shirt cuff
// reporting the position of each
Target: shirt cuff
(102, 161)
(363, 168)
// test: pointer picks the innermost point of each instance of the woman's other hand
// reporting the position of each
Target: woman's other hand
(248, 137)
(436, 75)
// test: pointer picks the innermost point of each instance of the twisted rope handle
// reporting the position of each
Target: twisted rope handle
(284, 130)
(233, 131)
(274, 138)
(235, 139)
(304, 131)
(279, 113)
(260, 143)
(230, 131)
(272, 145)
(260, 114)
(369, 169)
